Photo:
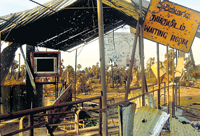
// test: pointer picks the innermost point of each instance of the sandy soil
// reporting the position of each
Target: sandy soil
(188, 96)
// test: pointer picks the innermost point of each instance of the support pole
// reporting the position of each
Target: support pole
(142, 52)
(75, 75)
(131, 63)
(177, 52)
(158, 77)
(102, 67)
(168, 79)
(176, 96)
(176, 88)
(173, 98)
(0, 77)
(30, 85)
(179, 89)
(100, 117)
(164, 93)
(56, 88)
(112, 76)
(19, 65)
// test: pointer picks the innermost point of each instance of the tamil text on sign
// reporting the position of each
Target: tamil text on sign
(171, 24)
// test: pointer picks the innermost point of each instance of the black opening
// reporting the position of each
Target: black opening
(45, 65)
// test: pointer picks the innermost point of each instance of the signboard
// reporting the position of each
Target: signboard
(118, 49)
(171, 24)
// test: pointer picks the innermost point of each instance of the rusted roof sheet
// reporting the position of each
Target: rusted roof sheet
(63, 24)
(149, 121)
(179, 129)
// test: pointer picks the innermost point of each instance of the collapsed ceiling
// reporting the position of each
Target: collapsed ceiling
(64, 24)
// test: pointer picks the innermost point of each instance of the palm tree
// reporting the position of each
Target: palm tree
(79, 66)
(70, 70)
(86, 72)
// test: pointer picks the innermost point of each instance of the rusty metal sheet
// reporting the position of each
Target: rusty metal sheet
(126, 118)
(149, 121)
(179, 129)
(66, 96)
(171, 24)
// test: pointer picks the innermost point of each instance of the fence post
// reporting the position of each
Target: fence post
(164, 91)
(176, 96)
(100, 117)
(77, 121)
(179, 93)
(21, 125)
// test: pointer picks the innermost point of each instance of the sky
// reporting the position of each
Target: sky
(88, 55)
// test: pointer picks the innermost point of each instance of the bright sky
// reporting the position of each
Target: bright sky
(89, 54)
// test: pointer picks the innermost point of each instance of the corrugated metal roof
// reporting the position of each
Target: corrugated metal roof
(63, 24)
(179, 129)
(149, 121)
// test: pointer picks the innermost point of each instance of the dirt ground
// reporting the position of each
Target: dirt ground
(189, 97)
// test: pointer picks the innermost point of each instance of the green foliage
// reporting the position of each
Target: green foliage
(90, 123)
(69, 69)
(79, 66)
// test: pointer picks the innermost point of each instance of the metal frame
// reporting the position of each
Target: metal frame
(42, 109)
(57, 71)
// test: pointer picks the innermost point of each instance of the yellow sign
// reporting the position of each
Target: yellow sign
(171, 24)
